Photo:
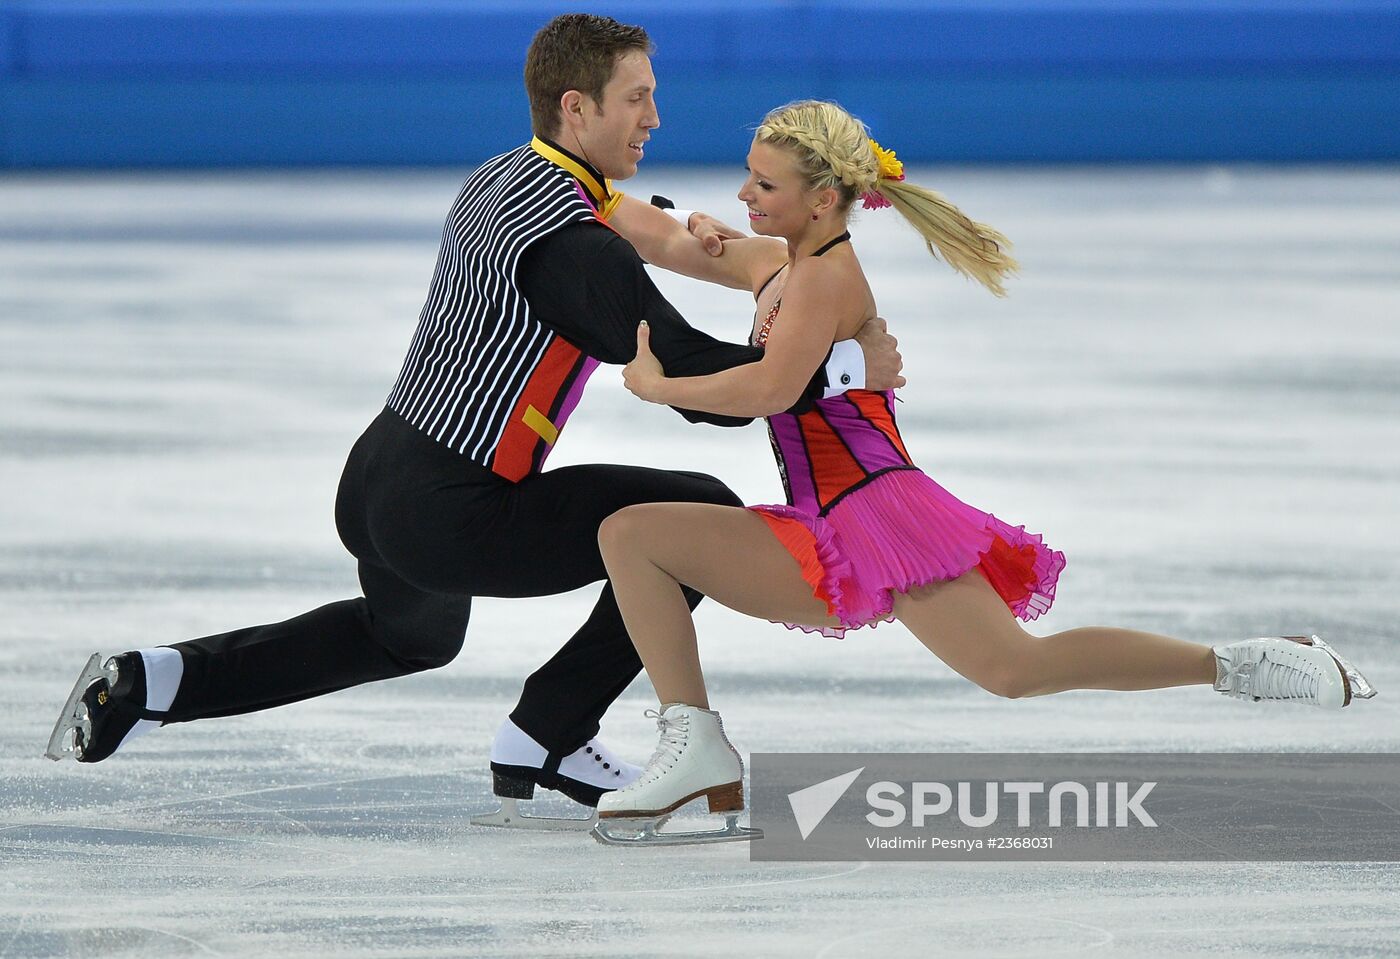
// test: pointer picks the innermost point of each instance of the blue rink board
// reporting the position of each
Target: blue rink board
(199, 83)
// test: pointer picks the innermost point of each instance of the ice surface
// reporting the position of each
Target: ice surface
(1194, 391)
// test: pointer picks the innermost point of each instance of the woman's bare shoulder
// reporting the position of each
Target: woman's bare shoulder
(761, 257)
(836, 282)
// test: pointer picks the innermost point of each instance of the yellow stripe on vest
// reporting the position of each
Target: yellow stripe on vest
(540, 423)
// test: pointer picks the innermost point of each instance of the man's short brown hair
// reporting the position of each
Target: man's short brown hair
(576, 51)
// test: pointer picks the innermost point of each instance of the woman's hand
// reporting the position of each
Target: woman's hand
(712, 233)
(644, 375)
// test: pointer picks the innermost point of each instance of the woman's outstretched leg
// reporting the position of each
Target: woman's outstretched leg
(968, 626)
(728, 554)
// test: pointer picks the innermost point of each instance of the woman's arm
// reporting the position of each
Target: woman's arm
(663, 242)
(813, 305)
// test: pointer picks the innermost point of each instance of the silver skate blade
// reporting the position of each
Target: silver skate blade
(509, 816)
(1361, 687)
(75, 714)
(647, 832)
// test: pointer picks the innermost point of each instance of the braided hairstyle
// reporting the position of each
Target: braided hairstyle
(833, 151)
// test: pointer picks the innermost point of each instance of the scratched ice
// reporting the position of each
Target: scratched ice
(1194, 391)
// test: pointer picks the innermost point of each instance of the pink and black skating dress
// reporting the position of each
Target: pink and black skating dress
(864, 522)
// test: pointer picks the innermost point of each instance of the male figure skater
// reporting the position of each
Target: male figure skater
(443, 497)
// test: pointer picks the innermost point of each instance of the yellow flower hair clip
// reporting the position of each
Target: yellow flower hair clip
(890, 169)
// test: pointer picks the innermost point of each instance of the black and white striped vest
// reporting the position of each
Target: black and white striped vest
(484, 377)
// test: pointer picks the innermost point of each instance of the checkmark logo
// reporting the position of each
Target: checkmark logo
(810, 805)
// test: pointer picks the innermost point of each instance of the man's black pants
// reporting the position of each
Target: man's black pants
(431, 530)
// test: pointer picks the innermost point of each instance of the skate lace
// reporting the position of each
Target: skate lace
(1284, 681)
(668, 748)
(1273, 680)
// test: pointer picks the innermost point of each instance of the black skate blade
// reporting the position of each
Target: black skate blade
(617, 831)
(509, 816)
(75, 714)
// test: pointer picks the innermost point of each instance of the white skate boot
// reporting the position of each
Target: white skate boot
(519, 764)
(693, 759)
(1295, 669)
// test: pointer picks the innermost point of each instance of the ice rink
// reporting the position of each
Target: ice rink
(1193, 391)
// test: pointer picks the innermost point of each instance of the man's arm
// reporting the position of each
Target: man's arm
(709, 230)
(869, 361)
(743, 263)
(590, 285)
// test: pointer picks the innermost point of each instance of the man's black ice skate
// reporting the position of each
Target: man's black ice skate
(105, 705)
(519, 764)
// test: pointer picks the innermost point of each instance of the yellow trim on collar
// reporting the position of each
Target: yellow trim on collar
(605, 211)
(600, 192)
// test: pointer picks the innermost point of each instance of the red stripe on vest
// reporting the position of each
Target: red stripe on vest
(516, 451)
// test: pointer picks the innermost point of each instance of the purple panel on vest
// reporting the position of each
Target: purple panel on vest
(575, 391)
(787, 433)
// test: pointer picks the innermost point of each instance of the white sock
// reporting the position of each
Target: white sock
(164, 670)
(515, 747)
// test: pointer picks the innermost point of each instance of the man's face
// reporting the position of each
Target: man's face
(611, 134)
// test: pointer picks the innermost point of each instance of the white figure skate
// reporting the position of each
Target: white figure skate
(693, 759)
(519, 764)
(1295, 669)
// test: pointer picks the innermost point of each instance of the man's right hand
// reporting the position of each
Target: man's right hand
(882, 360)
(712, 233)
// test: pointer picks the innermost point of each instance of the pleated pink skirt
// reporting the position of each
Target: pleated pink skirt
(902, 530)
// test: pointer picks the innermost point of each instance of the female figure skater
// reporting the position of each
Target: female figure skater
(865, 535)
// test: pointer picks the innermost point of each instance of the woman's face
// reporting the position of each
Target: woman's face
(776, 193)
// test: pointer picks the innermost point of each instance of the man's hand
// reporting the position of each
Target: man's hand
(712, 233)
(882, 361)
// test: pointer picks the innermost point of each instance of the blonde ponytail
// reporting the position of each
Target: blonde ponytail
(834, 151)
(973, 249)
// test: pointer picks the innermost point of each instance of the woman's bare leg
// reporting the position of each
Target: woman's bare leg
(728, 554)
(968, 626)
(733, 557)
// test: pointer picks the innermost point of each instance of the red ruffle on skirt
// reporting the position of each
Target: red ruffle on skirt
(903, 530)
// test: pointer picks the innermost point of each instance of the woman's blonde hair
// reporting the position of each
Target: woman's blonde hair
(834, 151)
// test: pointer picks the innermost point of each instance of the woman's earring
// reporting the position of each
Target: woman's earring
(814, 216)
